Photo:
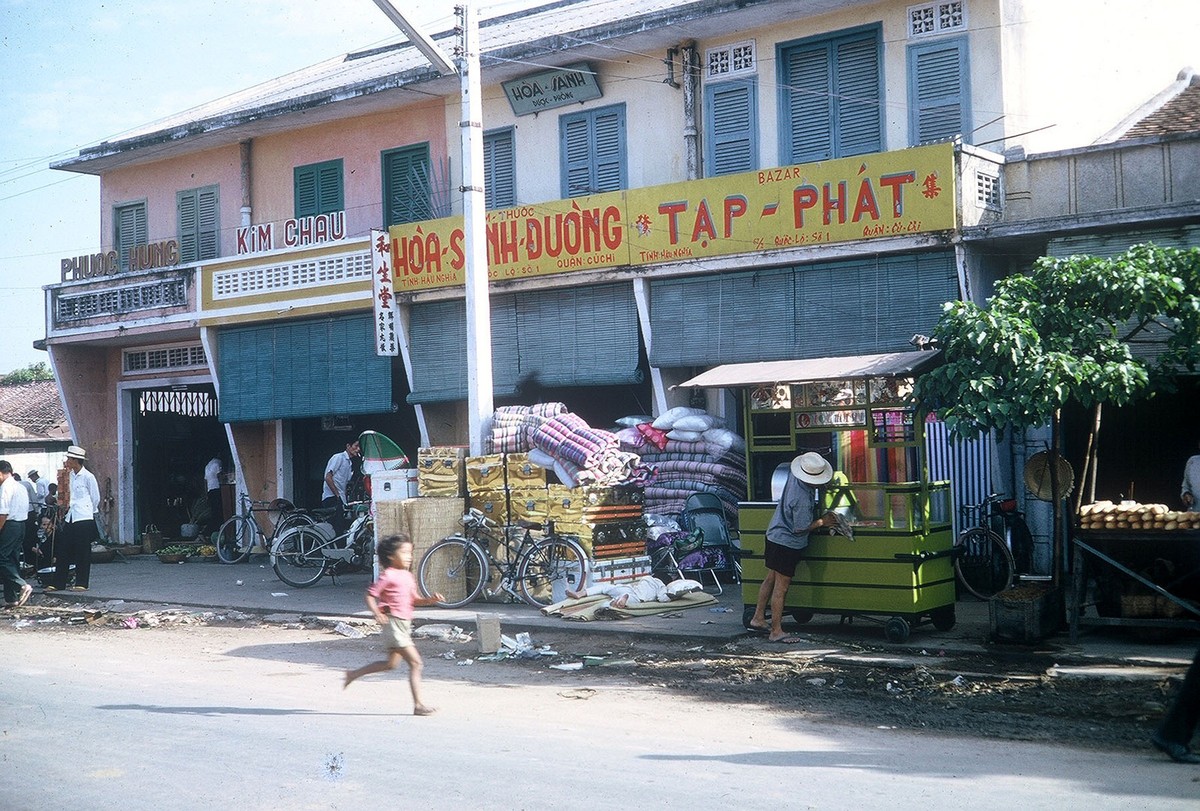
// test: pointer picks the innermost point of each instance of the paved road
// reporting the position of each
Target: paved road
(254, 718)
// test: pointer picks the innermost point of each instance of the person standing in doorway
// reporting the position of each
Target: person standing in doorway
(78, 530)
(212, 481)
(14, 508)
(337, 479)
(787, 536)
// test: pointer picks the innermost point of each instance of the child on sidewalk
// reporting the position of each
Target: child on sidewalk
(391, 599)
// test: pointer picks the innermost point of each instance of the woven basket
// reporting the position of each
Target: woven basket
(1149, 605)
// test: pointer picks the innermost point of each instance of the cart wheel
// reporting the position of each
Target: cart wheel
(943, 618)
(802, 616)
(896, 629)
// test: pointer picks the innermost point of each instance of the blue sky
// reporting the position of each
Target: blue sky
(74, 73)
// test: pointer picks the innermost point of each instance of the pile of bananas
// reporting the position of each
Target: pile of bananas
(1131, 515)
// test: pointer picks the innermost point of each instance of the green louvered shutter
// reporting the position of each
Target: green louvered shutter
(318, 188)
(131, 230)
(731, 115)
(938, 91)
(407, 185)
(824, 309)
(199, 230)
(312, 368)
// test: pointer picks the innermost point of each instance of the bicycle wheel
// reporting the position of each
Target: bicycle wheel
(984, 564)
(235, 539)
(454, 567)
(294, 518)
(297, 557)
(550, 569)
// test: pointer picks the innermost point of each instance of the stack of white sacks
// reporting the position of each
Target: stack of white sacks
(691, 452)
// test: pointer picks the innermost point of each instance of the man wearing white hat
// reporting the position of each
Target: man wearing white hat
(78, 532)
(787, 536)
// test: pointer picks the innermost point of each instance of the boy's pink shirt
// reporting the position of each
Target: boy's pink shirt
(396, 589)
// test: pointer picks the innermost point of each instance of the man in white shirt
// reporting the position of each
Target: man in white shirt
(78, 532)
(212, 482)
(338, 471)
(14, 509)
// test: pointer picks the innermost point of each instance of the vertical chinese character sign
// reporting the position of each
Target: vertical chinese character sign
(384, 295)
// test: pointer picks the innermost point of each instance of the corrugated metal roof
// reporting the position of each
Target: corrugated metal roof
(890, 364)
(510, 44)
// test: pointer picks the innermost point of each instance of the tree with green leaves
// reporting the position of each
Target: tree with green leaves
(1061, 334)
(32, 373)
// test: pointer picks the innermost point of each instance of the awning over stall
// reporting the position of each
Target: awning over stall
(889, 364)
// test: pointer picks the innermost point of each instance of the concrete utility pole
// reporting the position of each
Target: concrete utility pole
(479, 314)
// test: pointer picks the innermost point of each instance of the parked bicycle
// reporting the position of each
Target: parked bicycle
(537, 569)
(986, 555)
(242, 534)
(303, 554)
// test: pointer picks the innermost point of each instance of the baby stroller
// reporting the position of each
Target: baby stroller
(709, 547)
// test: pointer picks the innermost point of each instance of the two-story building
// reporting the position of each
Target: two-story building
(671, 184)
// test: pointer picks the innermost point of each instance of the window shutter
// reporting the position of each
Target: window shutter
(131, 231)
(305, 191)
(732, 142)
(610, 151)
(576, 156)
(407, 190)
(499, 170)
(186, 205)
(810, 104)
(592, 151)
(329, 187)
(208, 224)
(937, 88)
(857, 98)
(833, 97)
(198, 225)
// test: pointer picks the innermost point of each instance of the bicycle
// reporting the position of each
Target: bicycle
(983, 558)
(241, 534)
(538, 570)
(303, 554)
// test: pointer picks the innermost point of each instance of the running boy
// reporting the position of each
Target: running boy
(391, 599)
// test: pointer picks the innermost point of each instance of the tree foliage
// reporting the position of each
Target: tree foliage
(1060, 334)
(32, 373)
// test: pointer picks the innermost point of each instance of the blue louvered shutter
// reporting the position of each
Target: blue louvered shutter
(832, 97)
(592, 151)
(198, 226)
(731, 115)
(809, 93)
(858, 97)
(499, 169)
(938, 91)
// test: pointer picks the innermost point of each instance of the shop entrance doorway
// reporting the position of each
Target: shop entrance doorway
(175, 433)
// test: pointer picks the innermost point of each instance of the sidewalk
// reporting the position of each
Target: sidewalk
(253, 587)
